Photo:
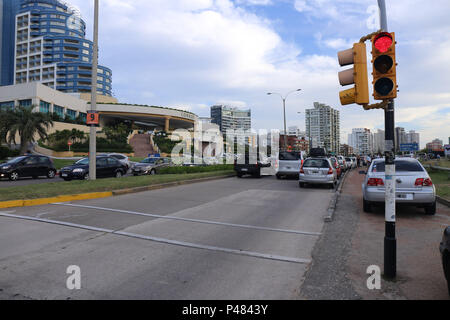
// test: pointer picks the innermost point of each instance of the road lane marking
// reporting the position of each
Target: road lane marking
(163, 240)
(190, 220)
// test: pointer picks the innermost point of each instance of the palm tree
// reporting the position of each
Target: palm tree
(27, 124)
(5, 125)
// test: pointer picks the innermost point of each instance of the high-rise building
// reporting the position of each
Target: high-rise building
(361, 139)
(227, 117)
(378, 142)
(400, 137)
(8, 11)
(323, 126)
(50, 47)
(413, 137)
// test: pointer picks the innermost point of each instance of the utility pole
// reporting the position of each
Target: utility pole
(390, 242)
(93, 129)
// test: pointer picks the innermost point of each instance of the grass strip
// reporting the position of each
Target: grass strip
(52, 189)
(442, 182)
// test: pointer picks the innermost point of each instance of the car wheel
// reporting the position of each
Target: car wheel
(153, 172)
(51, 174)
(239, 175)
(446, 265)
(278, 177)
(431, 209)
(86, 176)
(366, 206)
(14, 176)
(119, 174)
(301, 185)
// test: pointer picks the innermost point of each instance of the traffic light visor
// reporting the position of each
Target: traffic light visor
(383, 42)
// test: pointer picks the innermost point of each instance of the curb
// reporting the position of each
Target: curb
(443, 201)
(334, 200)
(98, 195)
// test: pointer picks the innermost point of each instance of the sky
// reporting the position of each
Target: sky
(192, 54)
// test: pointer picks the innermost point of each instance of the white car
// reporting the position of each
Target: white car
(121, 158)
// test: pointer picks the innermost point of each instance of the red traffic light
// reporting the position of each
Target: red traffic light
(383, 42)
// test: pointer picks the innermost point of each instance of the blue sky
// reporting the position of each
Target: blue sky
(192, 54)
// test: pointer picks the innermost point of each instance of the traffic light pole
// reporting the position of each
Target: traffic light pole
(93, 129)
(390, 242)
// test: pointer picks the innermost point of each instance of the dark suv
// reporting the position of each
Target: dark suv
(27, 166)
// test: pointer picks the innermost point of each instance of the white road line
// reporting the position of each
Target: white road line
(163, 240)
(190, 220)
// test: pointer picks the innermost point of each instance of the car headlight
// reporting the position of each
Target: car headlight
(6, 167)
(78, 170)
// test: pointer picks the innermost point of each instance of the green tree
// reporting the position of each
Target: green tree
(27, 124)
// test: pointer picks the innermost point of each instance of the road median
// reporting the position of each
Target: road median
(85, 190)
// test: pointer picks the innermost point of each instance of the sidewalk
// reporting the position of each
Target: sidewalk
(419, 266)
(355, 240)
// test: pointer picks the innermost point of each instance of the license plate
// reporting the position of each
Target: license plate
(405, 196)
(315, 172)
(244, 169)
(288, 167)
(64, 175)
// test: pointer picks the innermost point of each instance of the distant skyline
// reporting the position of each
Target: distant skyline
(193, 54)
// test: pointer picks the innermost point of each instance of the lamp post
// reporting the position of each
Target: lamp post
(284, 111)
(93, 129)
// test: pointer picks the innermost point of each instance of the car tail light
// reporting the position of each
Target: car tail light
(375, 182)
(301, 169)
(330, 171)
(423, 182)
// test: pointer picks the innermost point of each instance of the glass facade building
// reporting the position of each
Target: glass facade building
(50, 47)
(8, 11)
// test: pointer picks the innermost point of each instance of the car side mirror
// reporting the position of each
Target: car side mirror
(363, 172)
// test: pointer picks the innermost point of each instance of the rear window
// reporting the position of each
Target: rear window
(118, 156)
(290, 156)
(316, 163)
(400, 166)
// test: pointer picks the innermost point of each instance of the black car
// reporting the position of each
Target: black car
(445, 252)
(106, 167)
(250, 166)
(27, 166)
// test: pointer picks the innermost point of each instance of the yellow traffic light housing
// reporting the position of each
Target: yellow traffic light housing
(384, 66)
(357, 75)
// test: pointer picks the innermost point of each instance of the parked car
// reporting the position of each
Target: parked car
(355, 162)
(28, 166)
(317, 171)
(349, 162)
(336, 165)
(150, 166)
(445, 254)
(342, 163)
(122, 158)
(289, 163)
(413, 185)
(106, 167)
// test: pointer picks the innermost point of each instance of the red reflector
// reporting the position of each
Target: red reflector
(383, 42)
(375, 182)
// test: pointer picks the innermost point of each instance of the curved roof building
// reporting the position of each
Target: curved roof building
(51, 48)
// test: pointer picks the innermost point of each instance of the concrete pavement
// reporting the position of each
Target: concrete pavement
(225, 239)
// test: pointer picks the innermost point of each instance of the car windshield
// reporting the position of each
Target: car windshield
(316, 163)
(83, 161)
(400, 166)
(293, 156)
(16, 160)
(149, 160)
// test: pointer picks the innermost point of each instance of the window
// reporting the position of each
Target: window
(292, 156)
(400, 166)
(25, 103)
(8, 105)
(101, 162)
(113, 162)
(58, 110)
(316, 163)
(72, 114)
(44, 107)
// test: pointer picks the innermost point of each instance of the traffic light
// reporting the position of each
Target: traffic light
(358, 75)
(384, 66)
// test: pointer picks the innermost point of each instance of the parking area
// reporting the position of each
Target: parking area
(225, 239)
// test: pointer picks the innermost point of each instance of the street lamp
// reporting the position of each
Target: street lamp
(284, 111)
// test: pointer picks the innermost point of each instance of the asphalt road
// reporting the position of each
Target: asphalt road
(224, 239)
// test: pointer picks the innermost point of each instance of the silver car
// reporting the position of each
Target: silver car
(317, 171)
(413, 185)
(150, 166)
(289, 163)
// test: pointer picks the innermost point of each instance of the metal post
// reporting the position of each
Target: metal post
(285, 131)
(93, 129)
(390, 242)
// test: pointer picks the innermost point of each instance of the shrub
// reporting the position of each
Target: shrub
(6, 153)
